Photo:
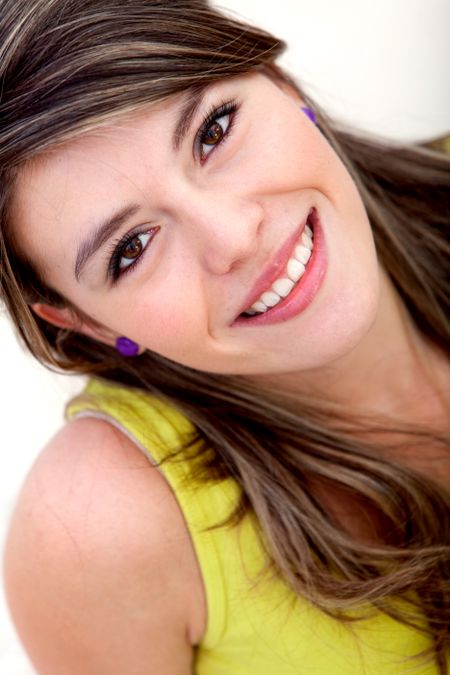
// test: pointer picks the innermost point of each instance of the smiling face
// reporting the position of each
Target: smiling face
(167, 227)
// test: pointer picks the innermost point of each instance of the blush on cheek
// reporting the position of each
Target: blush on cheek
(170, 331)
(297, 153)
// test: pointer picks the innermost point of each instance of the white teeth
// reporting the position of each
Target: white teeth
(306, 240)
(270, 298)
(283, 287)
(295, 269)
(259, 306)
(302, 254)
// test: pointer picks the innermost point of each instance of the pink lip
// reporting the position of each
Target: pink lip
(274, 268)
(305, 290)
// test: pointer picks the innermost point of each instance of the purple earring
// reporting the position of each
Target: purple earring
(309, 112)
(127, 347)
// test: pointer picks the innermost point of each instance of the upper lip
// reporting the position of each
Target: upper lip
(273, 269)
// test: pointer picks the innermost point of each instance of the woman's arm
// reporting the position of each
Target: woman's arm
(101, 576)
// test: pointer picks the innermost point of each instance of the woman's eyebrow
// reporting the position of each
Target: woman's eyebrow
(100, 235)
(193, 101)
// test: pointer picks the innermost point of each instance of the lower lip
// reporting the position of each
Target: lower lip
(302, 294)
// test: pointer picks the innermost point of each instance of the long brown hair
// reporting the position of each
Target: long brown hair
(68, 67)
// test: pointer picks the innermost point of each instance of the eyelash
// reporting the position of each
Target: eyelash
(117, 252)
(230, 109)
(225, 109)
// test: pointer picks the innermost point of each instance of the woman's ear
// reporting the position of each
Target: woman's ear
(64, 317)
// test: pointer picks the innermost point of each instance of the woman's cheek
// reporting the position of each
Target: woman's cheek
(296, 157)
(171, 327)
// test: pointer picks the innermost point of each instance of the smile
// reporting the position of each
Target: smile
(295, 269)
(292, 279)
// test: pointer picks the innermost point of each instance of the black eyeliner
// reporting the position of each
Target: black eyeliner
(117, 252)
(114, 271)
(215, 113)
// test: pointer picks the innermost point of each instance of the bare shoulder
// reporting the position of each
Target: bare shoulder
(100, 571)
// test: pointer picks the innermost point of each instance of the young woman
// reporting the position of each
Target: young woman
(255, 481)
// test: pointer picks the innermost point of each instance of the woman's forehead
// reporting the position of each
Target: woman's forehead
(62, 191)
(99, 149)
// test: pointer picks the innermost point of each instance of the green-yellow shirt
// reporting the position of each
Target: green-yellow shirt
(255, 626)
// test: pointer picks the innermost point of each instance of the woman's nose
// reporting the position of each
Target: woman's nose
(224, 230)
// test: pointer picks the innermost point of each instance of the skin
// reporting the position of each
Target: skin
(100, 573)
(220, 221)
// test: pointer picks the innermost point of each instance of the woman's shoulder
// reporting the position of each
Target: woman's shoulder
(98, 558)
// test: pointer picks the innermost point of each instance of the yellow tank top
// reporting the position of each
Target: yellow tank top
(254, 626)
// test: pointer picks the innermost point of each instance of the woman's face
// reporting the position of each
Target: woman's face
(165, 228)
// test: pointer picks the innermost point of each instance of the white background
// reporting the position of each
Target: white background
(383, 66)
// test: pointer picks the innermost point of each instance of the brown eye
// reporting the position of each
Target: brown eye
(129, 251)
(214, 134)
(133, 249)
